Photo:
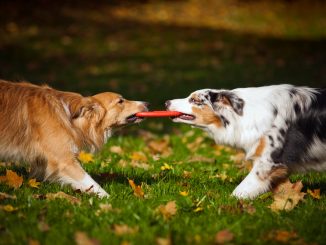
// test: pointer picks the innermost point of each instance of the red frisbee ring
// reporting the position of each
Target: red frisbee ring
(159, 114)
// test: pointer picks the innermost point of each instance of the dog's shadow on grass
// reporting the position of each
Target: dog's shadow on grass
(122, 178)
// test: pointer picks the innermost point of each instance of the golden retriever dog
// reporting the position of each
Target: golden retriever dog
(47, 128)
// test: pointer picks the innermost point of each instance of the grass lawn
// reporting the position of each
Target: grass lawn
(125, 47)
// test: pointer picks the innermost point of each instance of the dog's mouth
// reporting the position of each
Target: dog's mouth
(134, 119)
(185, 117)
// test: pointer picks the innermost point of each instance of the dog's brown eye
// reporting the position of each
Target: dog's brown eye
(121, 101)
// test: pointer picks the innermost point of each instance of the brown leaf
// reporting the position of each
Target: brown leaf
(138, 191)
(282, 236)
(139, 156)
(168, 210)
(105, 208)
(224, 236)
(163, 241)
(81, 238)
(12, 179)
(238, 158)
(160, 146)
(201, 159)
(43, 226)
(62, 195)
(193, 146)
(121, 230)
(33, 242)
(116, 149)
(314, 193)
(6, 196)
(287, 196)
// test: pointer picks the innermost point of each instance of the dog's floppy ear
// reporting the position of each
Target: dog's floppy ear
(228, 99)
(77, 106)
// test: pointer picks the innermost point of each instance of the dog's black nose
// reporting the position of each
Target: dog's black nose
(167, 104)
(146, 104)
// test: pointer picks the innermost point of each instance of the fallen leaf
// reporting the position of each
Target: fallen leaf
(33, 242)
(166, 167)
(62, 195)
(121, 230)
(8, 208)
(201, 159)
(282, 236)
(247, 207)
(168, 210)
(139, 156)
(85, 157)
(138, 191)
(116, 149)
(12, 179)
(160, 146)
(186, 174)
(163, 241)
(105, 208)
(6, 196)
(287, 196)
(184, 193)
(43, 226)
(33, 183)
(198, 209)
(193, 146)
(81, 238)
(224, 236)
(314, 193)
(238, 158)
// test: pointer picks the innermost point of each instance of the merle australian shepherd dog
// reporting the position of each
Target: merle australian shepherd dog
(282, 128)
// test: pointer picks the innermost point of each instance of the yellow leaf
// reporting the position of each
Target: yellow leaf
(62, 195)
(12, 179)
(85, 157)
(184, 193)
(287, 196)
(8, 208)
(314, 193)
(166, 167)
(33, 183)
(138, 191)
(168, 210)
(198, 209)
(138, 156)
(163, 241)
(186, 174)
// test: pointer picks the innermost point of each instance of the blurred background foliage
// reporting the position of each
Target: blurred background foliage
(156, 50)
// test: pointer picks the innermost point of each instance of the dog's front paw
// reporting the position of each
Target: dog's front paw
(251, 187)
(241, 193)
(101, 193)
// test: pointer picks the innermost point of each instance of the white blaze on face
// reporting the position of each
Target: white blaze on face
(181, 105)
